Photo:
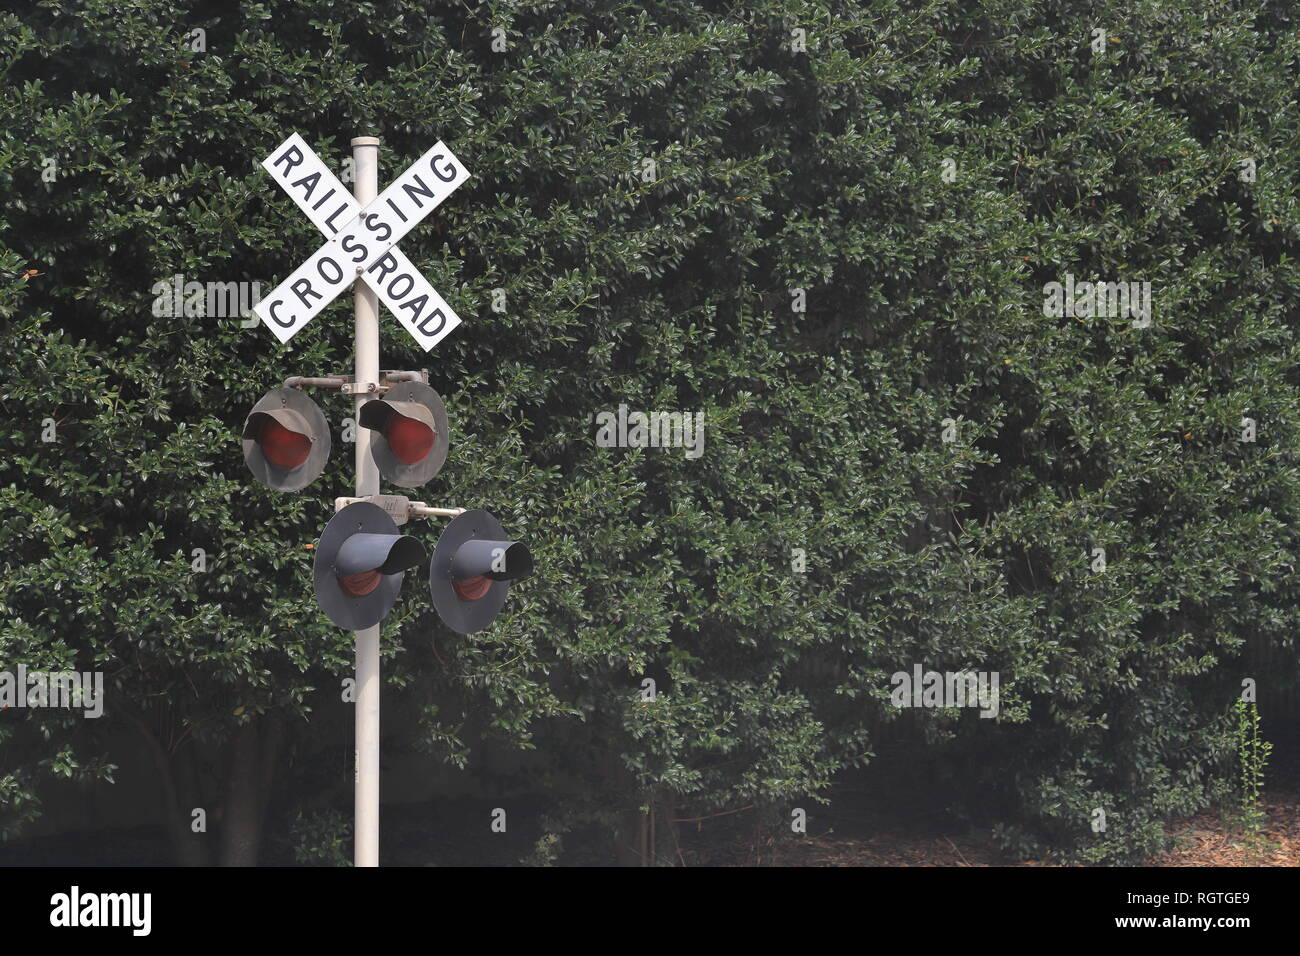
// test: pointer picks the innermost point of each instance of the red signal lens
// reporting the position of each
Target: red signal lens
(281, 446)
(471, 589)
(409, 439)
(359, 585)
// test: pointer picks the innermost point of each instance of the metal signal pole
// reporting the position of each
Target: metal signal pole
(365, 159)
(361, 558)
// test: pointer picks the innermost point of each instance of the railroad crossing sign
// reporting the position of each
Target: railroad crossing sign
(362, 243)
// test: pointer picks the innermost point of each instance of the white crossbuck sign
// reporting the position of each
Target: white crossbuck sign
(362, 242)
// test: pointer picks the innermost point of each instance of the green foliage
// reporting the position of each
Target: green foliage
(322, 839)
(775, 171)
(1252, 753)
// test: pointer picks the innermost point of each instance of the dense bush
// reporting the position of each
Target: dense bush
(920, 172)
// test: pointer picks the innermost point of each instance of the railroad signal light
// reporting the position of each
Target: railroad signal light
(286, 440)
(361, 560)
(471, 570)
(412, 436)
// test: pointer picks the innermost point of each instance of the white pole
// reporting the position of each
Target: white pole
(365, 158)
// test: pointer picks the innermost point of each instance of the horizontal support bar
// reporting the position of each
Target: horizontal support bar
(400, 508)
(418, 509)
(303, 381)
(387, 379)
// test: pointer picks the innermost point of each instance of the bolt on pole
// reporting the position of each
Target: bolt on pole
(365, 158)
